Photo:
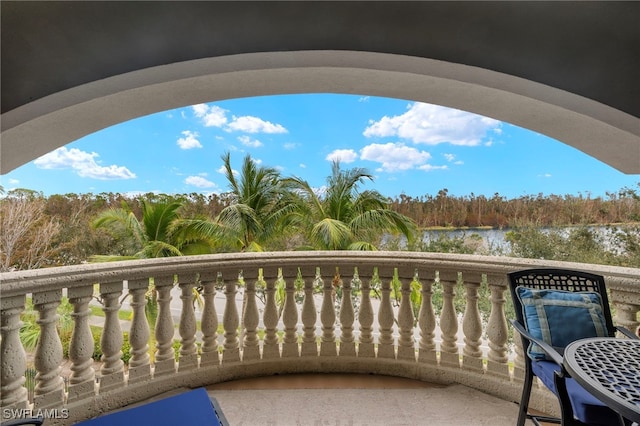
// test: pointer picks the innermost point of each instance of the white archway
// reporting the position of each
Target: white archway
(41, 126)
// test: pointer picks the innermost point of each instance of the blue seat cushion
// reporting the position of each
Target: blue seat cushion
(188, 408)
(560, 317)
(586, 407)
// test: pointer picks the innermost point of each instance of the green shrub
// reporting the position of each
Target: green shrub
(176, 348)
(97, 350)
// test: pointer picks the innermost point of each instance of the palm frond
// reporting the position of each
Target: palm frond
(331, 234)
(362, 246)
(157, 218)
(155, 249)
(194, 229)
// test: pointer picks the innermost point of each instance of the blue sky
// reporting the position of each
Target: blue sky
(410, 147)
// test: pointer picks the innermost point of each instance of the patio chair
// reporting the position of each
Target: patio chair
(193, 407)
(567, 300)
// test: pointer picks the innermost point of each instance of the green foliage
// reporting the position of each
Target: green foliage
(581, 244)
(342, 217)
(258, 206)
(176, 349)
(160, 233)
(627, 240)
(449, 244)
(30, 330)
(97, 335)
(97, 349)
(416, 297)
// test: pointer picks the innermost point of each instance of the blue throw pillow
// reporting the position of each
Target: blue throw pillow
(560, 317)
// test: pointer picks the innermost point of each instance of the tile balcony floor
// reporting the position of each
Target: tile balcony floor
(356, 400)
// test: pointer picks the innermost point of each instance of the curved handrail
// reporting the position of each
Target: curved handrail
(19, 282)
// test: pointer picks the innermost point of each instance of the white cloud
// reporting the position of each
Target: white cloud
(394, 157)
(84, 163)
(199, 182)
(343, 156)
(363, 99)
(251, 124)
(303, 166)
(212, 116)
(222, 170)
(433, 124)
(189, 141)
(451, 158)
(13, 181)
(290, 145)
(247, 141)
(429, 167)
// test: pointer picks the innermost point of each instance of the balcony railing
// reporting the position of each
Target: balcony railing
(327, 321)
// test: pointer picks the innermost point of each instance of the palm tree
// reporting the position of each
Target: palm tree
(161, 233)
(341, 217)
(258, 205)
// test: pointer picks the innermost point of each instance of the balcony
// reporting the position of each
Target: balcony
(278, 313)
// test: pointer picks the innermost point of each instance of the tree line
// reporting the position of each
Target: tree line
(444, 210)
(264, 211)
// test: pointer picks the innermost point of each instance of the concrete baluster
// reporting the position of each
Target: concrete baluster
(13, 359)
(497, 329)
(82, 381)
(112, 370)
(187, 328)
(449, 320)
(270, 347)
(230, 322)
(406, 344)
(347, 317)
(472, 323)
(626, 314)
(250, 319)
(309, 318)
(139, 364)
(518, 362)
(427, 324)
(385, 322)
(366, 347)
(165, 354)
(328, 318)
(49, 390)
(209, 322)
(289, 319)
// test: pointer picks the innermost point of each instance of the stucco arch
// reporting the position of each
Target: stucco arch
(51, 122)
(568, 70)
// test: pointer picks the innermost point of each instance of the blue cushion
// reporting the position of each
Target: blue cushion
(189, 408)
(586, 407)
(560, 317)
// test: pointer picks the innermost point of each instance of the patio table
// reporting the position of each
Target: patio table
(609, 368)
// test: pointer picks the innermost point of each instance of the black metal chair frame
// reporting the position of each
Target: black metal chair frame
(554, 279)
(36, 421)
